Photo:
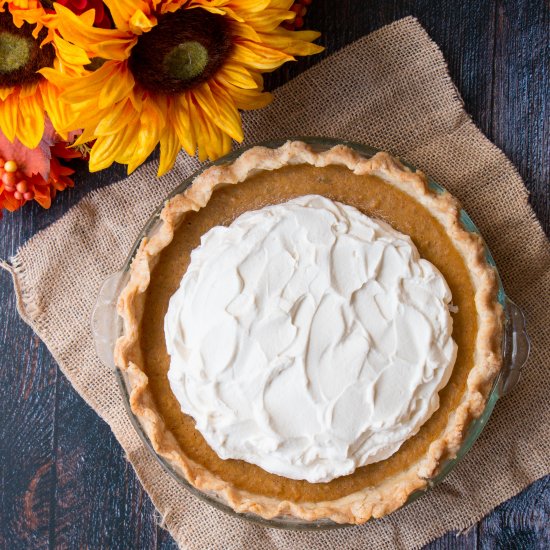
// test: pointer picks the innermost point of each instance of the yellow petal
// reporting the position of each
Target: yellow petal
(167, 6)
(86, 136)
(152, 119)
(122, 11)
(61, 80)
(169, 148)
(5, 92)
(8, 116)
(229, 119)
(88, 17)
(115, 49)
(30, 121)
(245, 31)
(114, 120)
(107, 43)
(107, 149)
(269, 20)
(63, 117)
(140, 23)
(248, 5)
(281, 4)
(237, 75)
(98, 89)
(28, 90)
(257, 56)
(179, 112)
(292, 42)
(248, 99)
(205, 100)
(212, 142)
(69, 52)
(117, 87)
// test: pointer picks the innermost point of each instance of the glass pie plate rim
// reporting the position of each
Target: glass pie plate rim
(107, 327)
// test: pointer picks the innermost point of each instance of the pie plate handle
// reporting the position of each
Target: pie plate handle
(516, 346)
(104, 319)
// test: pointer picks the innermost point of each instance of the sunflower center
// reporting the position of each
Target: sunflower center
(20, 54)
(186, 61)
(14, 52)
(186, 48)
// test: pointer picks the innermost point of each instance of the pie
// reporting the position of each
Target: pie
(387, 433)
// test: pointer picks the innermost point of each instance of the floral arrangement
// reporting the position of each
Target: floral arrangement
(109, 81)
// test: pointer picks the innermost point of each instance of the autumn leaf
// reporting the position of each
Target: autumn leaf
(30, 161)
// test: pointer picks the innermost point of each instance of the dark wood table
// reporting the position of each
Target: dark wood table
(64, 481)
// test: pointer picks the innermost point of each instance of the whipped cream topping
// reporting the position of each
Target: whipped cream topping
(309, 339)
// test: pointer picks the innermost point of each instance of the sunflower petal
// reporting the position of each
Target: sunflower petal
(140, 23)
(108, 149)
(269, 20)
(229, 119)
(245, 31)
(281, 4)
(248, 5)
(69, 52)
(86, 136)
(152, 118)
(30, 121)
(292, 42)
(8, 116)
(116, 88)
(63, 116)
(122, 11)
(179, 111)
(209, 138)
(169, 148)
(107, 43)
(248, 99)
(257, 56)
(115, 119)
(238, 76)
(5, 92)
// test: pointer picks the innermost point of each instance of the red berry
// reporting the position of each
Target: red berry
(8, 179)
(296, 8)
(306, 2)
(28, 196)
(22, 186)
(298, 22)
(18, 196)
(10, 166)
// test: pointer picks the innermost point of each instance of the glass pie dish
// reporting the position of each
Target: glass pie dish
(107, 328)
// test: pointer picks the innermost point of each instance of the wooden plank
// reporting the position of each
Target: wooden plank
(27, 404)
(521, 95)
(522, 522)
(99, 502)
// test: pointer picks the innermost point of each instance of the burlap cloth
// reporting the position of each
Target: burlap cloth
(391, 90)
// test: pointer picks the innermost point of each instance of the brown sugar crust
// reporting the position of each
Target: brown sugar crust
(382, 188)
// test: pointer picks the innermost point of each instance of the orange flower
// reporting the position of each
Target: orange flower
(16, 188)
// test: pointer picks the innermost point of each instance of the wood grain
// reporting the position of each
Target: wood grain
(64, 481)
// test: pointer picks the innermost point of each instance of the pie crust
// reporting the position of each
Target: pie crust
(392, 492)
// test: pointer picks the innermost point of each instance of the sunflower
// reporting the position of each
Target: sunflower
(26, 97)
(171, 71)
